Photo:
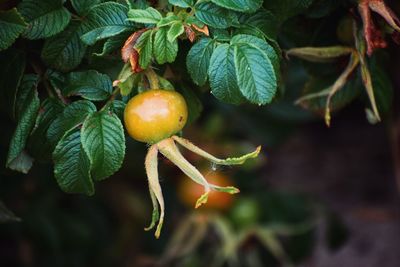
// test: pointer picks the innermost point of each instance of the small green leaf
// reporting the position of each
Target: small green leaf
(72, 116)
(11, 25)
(255, 74)
(105, 20)
(182, 3)
(263, 20)
(174, 31)
(144, 46)
(222, 75)
(114, 43)
(45, 17)
(164, 50)
(198, 60)
(65, 50)
(71, 164)
(83, 6)
(89, 84)
(103, 140)
(26, 115)
(214, 15)
(149, 15)
(168, 20)
(38, 143)
(239, 5)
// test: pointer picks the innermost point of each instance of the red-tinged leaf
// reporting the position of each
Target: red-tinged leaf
(190, 34)
(373, 36)
(128, 47)
(203, 29)
(134, 60)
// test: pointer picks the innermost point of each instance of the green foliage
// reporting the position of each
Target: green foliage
(230, 49)
(11, 26)
(26, 111)
(45, 18)
(103, 140)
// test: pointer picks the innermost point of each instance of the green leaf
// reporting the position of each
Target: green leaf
(284, 9)
(103, 140)
(65, 50)
(11, 26)
(198, 60)
(10, 78)
(222, 75)
(149, 15)
(71, 164)
(26, 115)
(105, 20)
(262, 45)
(38, 144)
(72, 116)
(114, 43)
(45, 18)
(22, 163)
(144, 46)
(83, 6)
(174, 31)
(255, 73)
(89, 84)
(214, 15)
(164, 50)
(168, 20)
(263, 20)
(118, 107)
(239, 5)
(182, 3)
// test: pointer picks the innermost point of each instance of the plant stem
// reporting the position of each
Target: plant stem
(153, 78)
(111, 99)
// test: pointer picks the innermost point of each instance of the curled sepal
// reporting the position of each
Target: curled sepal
(320, 54)
(229, 161)
(151, 163)
(339, 84)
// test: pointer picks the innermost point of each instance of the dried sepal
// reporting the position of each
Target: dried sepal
(203, 29)
(320, 54)
(229, 161)
(339, 83)
(151, 166)
(190, 34)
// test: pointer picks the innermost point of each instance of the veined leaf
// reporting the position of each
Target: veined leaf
(198, 60)
(215, 16)
(11, 26)
(83, 6)
(182, 3)
(103, 140)
(222, 74)
(90, 85)
(38, 144)
(71, 164)
(65, 50)
(72, 116)
(45, 17)
(105, 20)
(239, 5)
(164, 50)
(174, 31)
(149, 15)
(26, 115)
(144, 46)
(255, 74)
